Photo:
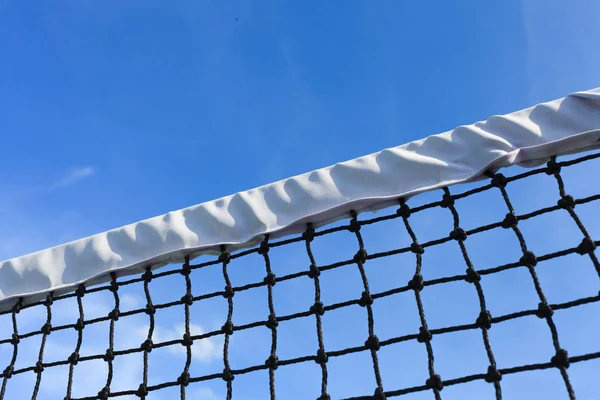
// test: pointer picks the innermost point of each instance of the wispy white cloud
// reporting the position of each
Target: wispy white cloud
(74, 176)
(69, 178)
(205, 350)
(130, 301)
(204, 393)
(89, 376)
(24, 234)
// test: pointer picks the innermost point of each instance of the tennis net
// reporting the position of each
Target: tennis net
(423, 271)
(559, 359)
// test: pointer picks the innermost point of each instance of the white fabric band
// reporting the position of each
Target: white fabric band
(528, 137)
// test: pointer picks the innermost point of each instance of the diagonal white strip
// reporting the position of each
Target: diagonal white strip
(527, 137)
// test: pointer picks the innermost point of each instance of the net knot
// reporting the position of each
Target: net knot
(322, 357)
(184, 378)
(80, 292)
(493, 375)
(17, 307)
(458, 234)
(544, 311)
(509, 221)
(561, 359)
(272, 322)
(187, 299)
(552, 167)
(272, 362)
(354, 225)
(317, 308)
(434, 382)
(114, 286)
(103, 394)
(270, 279)
(186, 269)
(225, 257)
(263, 248)
(74, 358)
(147, 345)
(372, 343)
(39, 367)
(365, 299)
(447, 200)
(417, 248)
(49, 300)
(187, 340)
(227, 375)
(229, 292)
(424, 335)
(46, 328)
(379, 395)
(484, 320)
(108, 356)
(313, 271)
(360, 256)
(566, 202)
(79, 325)
(8, 371)
(529, 259)
(403, 211)
(14, 339)
(586, 246)
(147, 276)
(416, 283)
(472, 276)
(309, 234)
(142, 391)
(150, 310)
(499, 181)
(114, 314)
(227, 328)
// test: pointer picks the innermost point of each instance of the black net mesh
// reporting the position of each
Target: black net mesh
(354, 318)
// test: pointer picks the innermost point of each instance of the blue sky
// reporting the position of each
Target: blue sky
(113, 112)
